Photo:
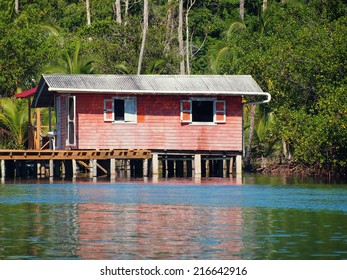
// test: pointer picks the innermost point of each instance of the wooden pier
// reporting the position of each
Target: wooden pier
(65, 163)
(119, 163)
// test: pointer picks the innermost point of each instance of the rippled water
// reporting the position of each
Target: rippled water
(214, 219)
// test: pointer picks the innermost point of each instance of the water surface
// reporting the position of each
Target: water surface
(259, 218)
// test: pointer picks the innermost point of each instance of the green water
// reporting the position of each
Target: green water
(257, 218)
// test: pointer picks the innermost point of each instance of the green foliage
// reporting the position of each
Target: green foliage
(14, 121)
(297, 52)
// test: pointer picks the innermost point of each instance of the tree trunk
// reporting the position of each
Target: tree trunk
(242, 9)
(286, 152)
(180, 37)
(190, 4)
(169, 25)
(250, 136)
(144, 34)
(16, 6)
(264, 5)
(126, 12)
(117, 11)
(88, 13)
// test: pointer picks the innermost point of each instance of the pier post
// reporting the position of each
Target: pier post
(3, 169)
(231, 166)
(145, 168)
(38, 168)
(155, 164)
(127, 168)
(197, 166)
(63, 169)
(92, 168)
(238, 165)
(225, 168)
(74, 169)
(51, 168)
(112, 168)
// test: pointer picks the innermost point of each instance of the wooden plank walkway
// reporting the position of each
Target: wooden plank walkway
(73, 154)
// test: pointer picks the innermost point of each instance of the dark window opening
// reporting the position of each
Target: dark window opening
(202, 111)
(119, 109)
(71, 133)
(71, 108)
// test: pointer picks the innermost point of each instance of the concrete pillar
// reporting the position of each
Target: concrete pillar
(238, 165)
(112, 168)
(38, 170)
(197, 166)
(145, 168)
(74, 169)
(93, 168)
(155, 164)
(63, 170)
(128, 169)
(3, 169)
(51, 168)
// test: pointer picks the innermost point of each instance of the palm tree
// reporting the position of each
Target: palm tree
(14, 120)
(75, 64)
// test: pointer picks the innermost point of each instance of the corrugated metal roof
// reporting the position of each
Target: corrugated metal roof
(153, 83)
(144, 84)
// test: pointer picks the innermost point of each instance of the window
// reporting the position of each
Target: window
(71, 121)
(203, 110)
(120, 110)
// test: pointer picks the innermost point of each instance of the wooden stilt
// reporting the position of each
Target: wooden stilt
(225, 168)
(231, 166)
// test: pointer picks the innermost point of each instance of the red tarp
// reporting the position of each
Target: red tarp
(26, 94)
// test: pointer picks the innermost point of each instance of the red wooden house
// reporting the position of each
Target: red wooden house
(194, 115)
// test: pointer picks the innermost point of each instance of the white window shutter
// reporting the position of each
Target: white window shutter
(130, 112)
(220, 111)
(186, 111)
(71, 121)
(108, 110)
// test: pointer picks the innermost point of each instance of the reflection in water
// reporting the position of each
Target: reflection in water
(172, 221)
(137, 231)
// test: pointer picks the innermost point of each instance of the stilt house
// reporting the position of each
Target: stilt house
(168, 114)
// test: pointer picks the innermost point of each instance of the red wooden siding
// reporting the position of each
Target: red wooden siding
(158, 126)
